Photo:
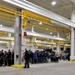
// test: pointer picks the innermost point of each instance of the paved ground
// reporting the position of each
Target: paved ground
(61, 68)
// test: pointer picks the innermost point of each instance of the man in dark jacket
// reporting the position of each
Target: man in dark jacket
(9, 58)
(12, 57)
(68, 56)
(5, 58)
(26, 57)
(1, 56)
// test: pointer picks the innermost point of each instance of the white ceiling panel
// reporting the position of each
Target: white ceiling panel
(63, 7)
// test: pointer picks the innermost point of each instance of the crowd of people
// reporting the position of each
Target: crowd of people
(6, 58)
(43, 56)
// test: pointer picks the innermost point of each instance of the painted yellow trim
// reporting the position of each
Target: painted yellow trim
(18, 66)
(9, 11)
(72, 60)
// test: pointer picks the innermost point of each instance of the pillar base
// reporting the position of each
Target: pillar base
(72, 57)
(18, 66)
(72, 60)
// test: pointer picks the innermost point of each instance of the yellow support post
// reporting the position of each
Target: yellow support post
(11, 43)
(69, 35)
(34, 39)
(24, 19)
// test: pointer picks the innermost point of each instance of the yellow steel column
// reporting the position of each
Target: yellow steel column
(69, 35)
(24, 14)
(23, 27)
(35, 42)
(11, 43)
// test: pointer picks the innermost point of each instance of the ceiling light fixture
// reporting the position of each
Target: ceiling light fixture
(50, 32)
(53, 3)
(1, 25)
(40, 23)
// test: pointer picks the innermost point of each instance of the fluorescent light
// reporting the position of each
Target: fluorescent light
(53, 3)
(40, 22)
(50, 32)
(1, 25)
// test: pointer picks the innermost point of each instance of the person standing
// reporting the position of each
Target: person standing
(2, 54)
(9, 58)
(68, 56)
(0, 59)
(12, 57)
(26, 57)
(5, 58)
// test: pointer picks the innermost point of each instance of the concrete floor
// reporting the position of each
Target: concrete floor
(61, 68)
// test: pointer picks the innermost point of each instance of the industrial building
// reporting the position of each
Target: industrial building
(38, 25)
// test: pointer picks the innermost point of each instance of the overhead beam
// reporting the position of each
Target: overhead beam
(6, 38)
(3, 42)
(7, 29)
(11, 30)
(9, 11)
(45, 36)
(39, 10)
(42, 42)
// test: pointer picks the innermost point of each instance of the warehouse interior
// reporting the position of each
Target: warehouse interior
(38, 24)
(37, 37)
